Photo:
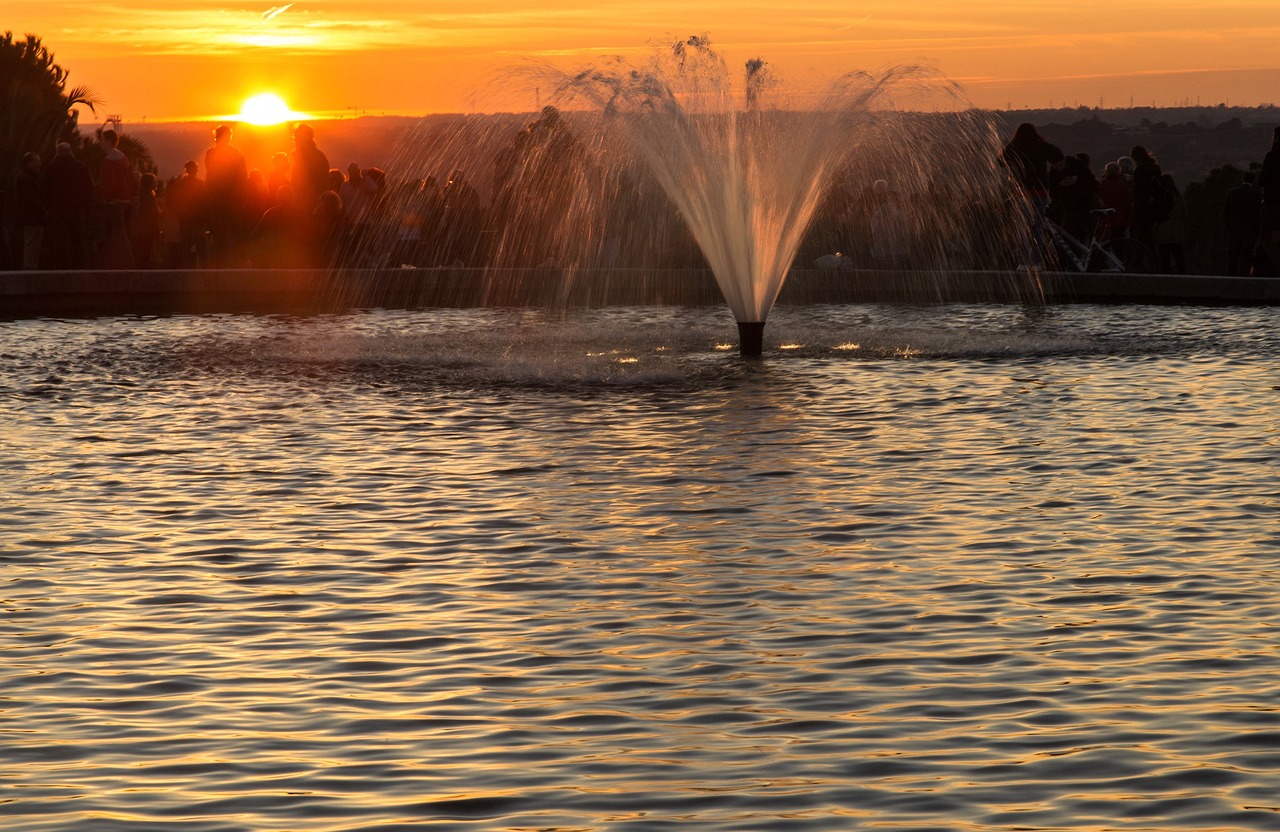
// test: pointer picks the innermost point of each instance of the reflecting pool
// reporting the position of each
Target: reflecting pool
(962, 567)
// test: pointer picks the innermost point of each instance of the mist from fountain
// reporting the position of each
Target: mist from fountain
(746, 170)
(629, 158)
(745, 181)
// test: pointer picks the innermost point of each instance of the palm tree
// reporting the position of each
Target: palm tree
(36, 106)
(36, 109)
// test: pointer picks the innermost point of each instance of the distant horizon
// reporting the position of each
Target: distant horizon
(351, 113)
(343, 116)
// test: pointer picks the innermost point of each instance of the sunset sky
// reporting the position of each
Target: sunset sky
(189, 59)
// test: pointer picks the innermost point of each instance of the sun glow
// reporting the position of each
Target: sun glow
(267, 108)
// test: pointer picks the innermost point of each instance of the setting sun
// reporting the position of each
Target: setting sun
(370, 57)
(266, 108)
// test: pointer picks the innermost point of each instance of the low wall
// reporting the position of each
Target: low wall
(158, 292)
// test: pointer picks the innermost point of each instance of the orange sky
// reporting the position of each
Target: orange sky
(189, 59)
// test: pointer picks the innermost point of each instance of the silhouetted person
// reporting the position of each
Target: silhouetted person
(1115, 192)
(310, 168)
(536, 181)
(280, 239)
(1029, 156)
(888, 232)
(146, 225)
(1267, 259)
(1242, 213)
(1171, 230)
(32, 213)
(1146, 196)
(405, 211)
(226, 178)
(429, 207)
(357, 194)
(324, 231)
(1075, 192)
(278, 176)
(257, 198)
(334, 181)
(117, 188)
(185, 202)
(69, 194)
(463, 221)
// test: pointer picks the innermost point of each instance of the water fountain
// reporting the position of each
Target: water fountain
(750, 173)
(747, 173)
(746, 170)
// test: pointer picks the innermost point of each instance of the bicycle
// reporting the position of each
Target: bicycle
(1102, 253)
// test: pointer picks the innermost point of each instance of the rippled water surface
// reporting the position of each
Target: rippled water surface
(970, 568)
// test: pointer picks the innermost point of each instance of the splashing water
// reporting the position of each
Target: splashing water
(747, 177)
(638, 171)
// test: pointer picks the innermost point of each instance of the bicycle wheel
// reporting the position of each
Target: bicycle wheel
(1132, 254)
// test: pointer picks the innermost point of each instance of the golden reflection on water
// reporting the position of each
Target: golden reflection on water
(951, 592)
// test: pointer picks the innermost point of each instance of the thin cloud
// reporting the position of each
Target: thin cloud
(276, 11)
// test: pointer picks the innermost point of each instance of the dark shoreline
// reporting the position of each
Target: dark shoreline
(79, 294)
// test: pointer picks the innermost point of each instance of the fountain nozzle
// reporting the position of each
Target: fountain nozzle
(750, 339)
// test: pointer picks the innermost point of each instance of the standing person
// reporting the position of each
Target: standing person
(1241, 212)
(1115, 193)
(1148, 190)
(463, 221)
(146, 225)
(885, 212)
(310, 168)
(357, 196)
(117, 188)
(1029, 156)
(226, 178)
(277, 177)
(1171, 230)
(257, 199)
(68, 188)
(357, 193)
(1077, 192)
(279, 240)
(185, 205)
(1267, 258)
(324, 232)
(32, 213)
(430, 221)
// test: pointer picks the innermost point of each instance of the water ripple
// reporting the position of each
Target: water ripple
(989, 571)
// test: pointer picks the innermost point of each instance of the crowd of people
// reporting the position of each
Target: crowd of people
(1133, 198)
(221, 213)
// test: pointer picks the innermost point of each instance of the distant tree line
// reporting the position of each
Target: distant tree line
(914, 198)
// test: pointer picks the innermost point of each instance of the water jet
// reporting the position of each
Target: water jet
(746, 169)
(636, 173)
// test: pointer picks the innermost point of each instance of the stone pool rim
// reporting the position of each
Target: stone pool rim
(158, 292)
